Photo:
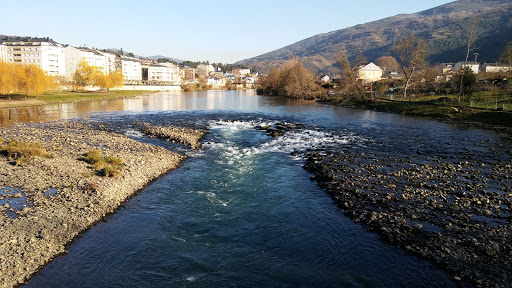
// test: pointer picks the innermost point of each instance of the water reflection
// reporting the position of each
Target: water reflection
(164, 101)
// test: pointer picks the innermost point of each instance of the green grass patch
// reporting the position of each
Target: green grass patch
(109, 166)
(21, 152)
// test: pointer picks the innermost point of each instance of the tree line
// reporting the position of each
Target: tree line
(87, 75)
(290, 80)
(24, 79)
(293, 80)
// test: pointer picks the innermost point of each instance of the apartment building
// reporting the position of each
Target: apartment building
(3, 53)
(161, 74)
(43, 52)
(131, 69)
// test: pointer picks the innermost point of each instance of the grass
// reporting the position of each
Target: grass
(490, 100)
(482, 107)
(110, 166)
(66, 96)
(21, 152)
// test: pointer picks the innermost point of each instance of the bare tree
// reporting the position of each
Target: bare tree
(349, 84)
(387, 63)
(472, 35)
(506, 56)
(411, 52)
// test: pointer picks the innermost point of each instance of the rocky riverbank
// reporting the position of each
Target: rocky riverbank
(180, 135)
(49, 201)
(457, 214)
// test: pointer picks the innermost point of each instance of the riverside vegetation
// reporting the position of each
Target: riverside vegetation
(425, 91)
(46, 202)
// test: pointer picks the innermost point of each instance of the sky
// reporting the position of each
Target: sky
(197, 30)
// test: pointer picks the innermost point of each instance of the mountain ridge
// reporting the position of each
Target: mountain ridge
(442, 27)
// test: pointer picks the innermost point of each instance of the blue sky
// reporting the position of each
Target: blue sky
(217, 31)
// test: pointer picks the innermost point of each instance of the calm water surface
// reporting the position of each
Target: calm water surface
(243, 212)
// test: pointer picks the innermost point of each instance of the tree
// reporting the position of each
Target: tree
(468, 79)
(300, 82)
(472, 35)
(431, 81)
(290, 80)
(85, 75)
(35, 81)
(411, 52)
(387, 63)
(116, 78)
(506, 56)
(8, 78)
(272, 83)
(349, 84)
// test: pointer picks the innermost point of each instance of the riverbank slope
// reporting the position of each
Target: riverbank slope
(18, 100)
(48, 201)
(483, 118)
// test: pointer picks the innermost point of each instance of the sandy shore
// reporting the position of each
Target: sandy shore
(32, 236)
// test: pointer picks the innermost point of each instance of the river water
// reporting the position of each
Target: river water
(242, 212)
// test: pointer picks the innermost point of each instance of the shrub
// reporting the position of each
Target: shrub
(114, 161)
(110, 165)
(93, 157)
(100, 164)
(111, 171)
(21, 150)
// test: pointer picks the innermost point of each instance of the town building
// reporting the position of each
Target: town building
(496, 68)
(447, 67)
(110, 62)
(241, 72)
(72, 57)
(188, 74)
(217, 82)
(370, 73)
(131, 69)
(106, 62)
(205, 69)
(43, 52)
(161, 74)
(3, 53)
(475, 67)
(325, 79)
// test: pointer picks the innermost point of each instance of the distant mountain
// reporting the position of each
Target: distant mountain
(442, 27)
(160, 56)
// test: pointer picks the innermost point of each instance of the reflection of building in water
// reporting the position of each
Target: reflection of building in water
(28, 114)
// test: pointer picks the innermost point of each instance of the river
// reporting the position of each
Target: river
(243, 212)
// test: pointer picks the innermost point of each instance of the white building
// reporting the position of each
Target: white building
(131, 69)
(72, 57)
(3, 53)
(325, 79)
(496, 68)
(475, 67)
(110, 62)
(163, 74)
(205, 69)
(370, 73)
(94, 58)
(43, 52)
(241, 72)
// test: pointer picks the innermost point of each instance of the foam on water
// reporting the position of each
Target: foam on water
(212, 197)
(294, 140)
(132, 133)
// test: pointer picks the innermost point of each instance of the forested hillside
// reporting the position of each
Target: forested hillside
(444, 28)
